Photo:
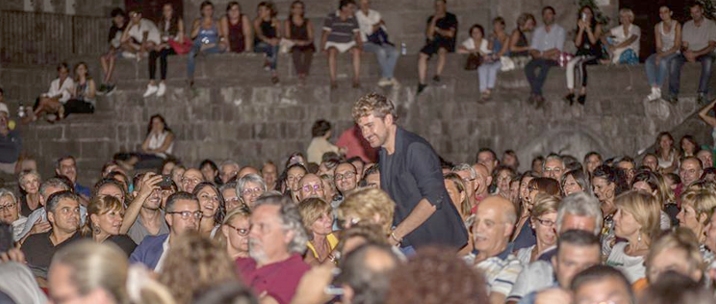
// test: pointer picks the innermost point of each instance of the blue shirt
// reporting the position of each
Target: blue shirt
(82, 190)
(543, 40)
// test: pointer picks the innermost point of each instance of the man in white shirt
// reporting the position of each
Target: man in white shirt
(698, 44)
(547, 44)
(141, 35)
(375, 40)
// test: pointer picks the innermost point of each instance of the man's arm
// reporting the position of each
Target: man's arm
(417, 217)
(708, 49)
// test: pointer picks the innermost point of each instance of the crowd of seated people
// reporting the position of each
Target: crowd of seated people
(564, 231)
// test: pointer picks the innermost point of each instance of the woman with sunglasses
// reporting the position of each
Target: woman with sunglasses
(235, 233)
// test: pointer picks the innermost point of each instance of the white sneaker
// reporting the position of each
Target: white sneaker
(162, 89)
(653, 96)
(394, 82)
(151, 89)
(384, 82)
(658, 93)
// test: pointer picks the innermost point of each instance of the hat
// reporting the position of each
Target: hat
(3, 108)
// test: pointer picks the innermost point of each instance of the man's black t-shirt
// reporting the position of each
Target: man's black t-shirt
(39, 250)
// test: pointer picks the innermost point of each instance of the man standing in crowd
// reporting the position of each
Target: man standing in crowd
(183, 214)
(276, 242)
(698, 44)
(63, 213)
(545, 49)
(67, 166)
(494, 222)
(411, 175)
(553, 167)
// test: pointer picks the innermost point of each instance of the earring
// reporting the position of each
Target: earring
(638, 240)
(95, 229)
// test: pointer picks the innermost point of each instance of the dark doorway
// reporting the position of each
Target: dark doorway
(646, 16)
(152, 9)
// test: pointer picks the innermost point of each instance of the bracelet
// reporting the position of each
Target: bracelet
(392, 235)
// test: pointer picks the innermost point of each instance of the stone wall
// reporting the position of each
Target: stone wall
(236, 113)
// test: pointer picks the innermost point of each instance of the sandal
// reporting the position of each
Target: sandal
(274, 79)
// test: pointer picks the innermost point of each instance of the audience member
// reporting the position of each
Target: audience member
(193, 264)
(67, 166)
(623, 42)
(237, 29)
(478, 45)
(321, 133)
(83, 99)
(346, 179)
(37, 220)
(374, 35)
(276, 241)
(206, 33)
(318, 222)
(108, 59)
(589, 52)
(601, 283)
(269, 172)
(690, 170)
(250, 188)
(706, 158)
(140, 36)
(369, 205)
(668, 45)
(299, 30)
(371, 177)
(10, 213)
(676, 251)
(698, 43)
(310, 185)
(545, 49)
(212, 207)
(676, 288)
(63, 213)
(488, 158)
(502, 179)
(210, 171)
(10, 146)
(104, 223)
(60, 92)
(519, 44)
(171, 32)
(341, 33)
(228, 170)
(190, 179)
(543, 219)
(459, 195)
(235, 233)
(575, 181)
(268, 36)
(591, 161)
(469, 176)
(182, 215)
(439, 39)
(667, 154)
(143, 216)
(433, 277)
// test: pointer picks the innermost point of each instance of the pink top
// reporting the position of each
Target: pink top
(278, 280)
(354, 143)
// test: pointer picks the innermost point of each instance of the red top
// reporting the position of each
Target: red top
(279, 280)
(356, 145)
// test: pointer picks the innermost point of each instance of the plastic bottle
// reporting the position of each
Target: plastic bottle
(21, 111)
(403, 49)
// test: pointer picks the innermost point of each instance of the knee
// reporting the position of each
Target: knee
(332, 52)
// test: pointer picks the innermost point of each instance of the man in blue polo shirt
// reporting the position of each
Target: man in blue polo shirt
(67, 166)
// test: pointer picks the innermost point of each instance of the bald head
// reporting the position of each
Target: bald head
(502, 206)
(494, 223)
(310, 185)
(246, 171)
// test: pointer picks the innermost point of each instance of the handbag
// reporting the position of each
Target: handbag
(474, 60)
(285, 45)
(379, 37)
(181, 48)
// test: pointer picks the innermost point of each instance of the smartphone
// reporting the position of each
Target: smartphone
(166, 182)
(7, 240)
(584, 17)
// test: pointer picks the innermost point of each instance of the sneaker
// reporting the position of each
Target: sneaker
(151, 89)
(110, 89)
(421, 88)
(701, 99)
(673, 100)
(653, 96)
(162, 89)
(658, 93)
(384, 82)
(394, 82)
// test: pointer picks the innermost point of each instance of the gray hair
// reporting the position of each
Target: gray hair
(55, 183)
(253, 178)
(229, 162)
(551, 157)
(465, 167)
(5, 192)
(26, 174)
(55, 199)
(580, 204)
(290, 220)
(227, 186)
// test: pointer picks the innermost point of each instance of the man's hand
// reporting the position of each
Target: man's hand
(311, 288)
(690, 56)
(40, 227)
(13, 255)
(148, 184)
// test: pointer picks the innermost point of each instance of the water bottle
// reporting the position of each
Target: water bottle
(21, 111)
(403, 49)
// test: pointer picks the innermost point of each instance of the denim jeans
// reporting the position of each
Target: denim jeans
(706, 61)
(487, 73)
(270, 51)
(387, 57)
(195, 50)
(657, 74)
(537, 81)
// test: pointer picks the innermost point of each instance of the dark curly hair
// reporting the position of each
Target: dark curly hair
(436, 276)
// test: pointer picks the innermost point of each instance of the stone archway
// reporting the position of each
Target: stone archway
(574, 141)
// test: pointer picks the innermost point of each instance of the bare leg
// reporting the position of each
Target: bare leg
(104, 60)
(356, 66)
(423, 67)
(442, 55)
(332, 53)
(112, 59)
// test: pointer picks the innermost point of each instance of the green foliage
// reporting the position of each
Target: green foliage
(601, 18)
(709, 8)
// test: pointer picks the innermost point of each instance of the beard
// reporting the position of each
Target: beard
(255, 251)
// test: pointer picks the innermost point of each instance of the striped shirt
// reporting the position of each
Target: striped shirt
(340, 31)
(500, 271)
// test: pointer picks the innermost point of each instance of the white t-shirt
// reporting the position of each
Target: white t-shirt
(366, 22)
(698, 37)
(469, 44)
(631, 266)
(68, 86)
(137, 31)
(619, 37)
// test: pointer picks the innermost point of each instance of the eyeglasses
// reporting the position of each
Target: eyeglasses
(467, 179)
(347, 175)
(546, 223)
(7, 207)
(234, 199)
(556, 169)
(250, 191)
(186, 214)
(309, 188)
(240, 231)
(191, 180)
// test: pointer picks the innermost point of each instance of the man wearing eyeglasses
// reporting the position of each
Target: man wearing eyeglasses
(190, 179)
(346, 179)
(553, 167)
(183, 213)
(310, 185)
